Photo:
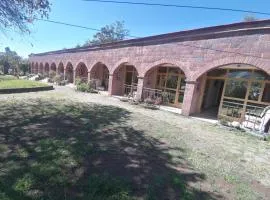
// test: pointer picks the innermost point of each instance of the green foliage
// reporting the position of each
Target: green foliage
(107, 187)
(57, 79)
(109, 33)
(24, 67)
(24, 183)
(17, 14)
(84, 87)
(9, 60)
(250, 18)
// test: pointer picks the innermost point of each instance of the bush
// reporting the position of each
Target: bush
(40, 77)
(84, 87)
(52, 74)
(57, 79)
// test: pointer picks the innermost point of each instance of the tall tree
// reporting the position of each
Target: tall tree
(9, 60)
(18, 14)
(110, 33)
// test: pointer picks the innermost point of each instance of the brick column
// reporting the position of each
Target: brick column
(74, 76)
(188, 103)
(140, 88)
(88, 77)
(64, 73)
(110, 85)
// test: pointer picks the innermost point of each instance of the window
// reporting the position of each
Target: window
(266, 93)
(236, 89)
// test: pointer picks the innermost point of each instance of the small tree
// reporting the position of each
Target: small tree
(250, 18)
(109, 33)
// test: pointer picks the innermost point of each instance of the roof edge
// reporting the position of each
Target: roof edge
(211, 30)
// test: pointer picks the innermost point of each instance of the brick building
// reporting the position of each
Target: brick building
(223, 69)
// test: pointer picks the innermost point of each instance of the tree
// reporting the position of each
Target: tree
(18, 14)
(109, 33)
(24, 66)
(250, 18)
(9, 60)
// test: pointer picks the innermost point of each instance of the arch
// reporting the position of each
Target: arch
(53, 67)
(81, 72)
(60, 68)
(232, 90)
(32, 68)
(123, 61)
(165, 78)
(99, 76)
(69, 72)
(177, 63)
(41, 68)
(125, 79)
(80, 62)
(256, 62)
(36, 68)
(46, 69)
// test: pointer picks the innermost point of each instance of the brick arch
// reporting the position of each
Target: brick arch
(261, 64)
(53, 66)
(60, 67)
(175, 63)
(41, 67)
(118, 64)
(94, 63)
(81, 61)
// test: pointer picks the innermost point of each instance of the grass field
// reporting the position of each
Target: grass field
(58, 145)
(8, 82)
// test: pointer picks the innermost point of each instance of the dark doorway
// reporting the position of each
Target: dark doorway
(212, 96)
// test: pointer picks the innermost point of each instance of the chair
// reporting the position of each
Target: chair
(265, 120)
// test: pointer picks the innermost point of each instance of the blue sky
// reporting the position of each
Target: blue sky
(141, 21)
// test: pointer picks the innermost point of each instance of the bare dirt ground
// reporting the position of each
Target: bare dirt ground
(214, 162)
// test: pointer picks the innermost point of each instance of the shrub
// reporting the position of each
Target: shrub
(57, 79)
(52, 74)
(78, 81)
(85, 87)
(39, 77)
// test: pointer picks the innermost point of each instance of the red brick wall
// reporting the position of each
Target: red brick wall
(193, 61)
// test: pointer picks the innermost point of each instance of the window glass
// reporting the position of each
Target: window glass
(217, 73)
(171, 96)
(174, 70)
(236, 89)
(182, 84)
(261, 75)
(180, 97)
(172, 81)
(255, 91)
(236, 73)
(266, 93)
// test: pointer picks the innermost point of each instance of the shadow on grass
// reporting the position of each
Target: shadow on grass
(65, 150)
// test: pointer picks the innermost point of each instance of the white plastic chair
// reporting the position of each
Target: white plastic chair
(265, 118)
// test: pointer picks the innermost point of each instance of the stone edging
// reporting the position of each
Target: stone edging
(21, 90)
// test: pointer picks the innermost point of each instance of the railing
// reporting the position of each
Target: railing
(248, 116)
(130, 90)
(151, 93)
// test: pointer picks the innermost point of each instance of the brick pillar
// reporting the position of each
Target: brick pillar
(110, 85)
(140, 88)
(188, 103)
(74, 76)
(88, 77)
(64, 74)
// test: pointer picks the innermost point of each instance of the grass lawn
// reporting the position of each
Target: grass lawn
(59, 149)
(7, 82)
